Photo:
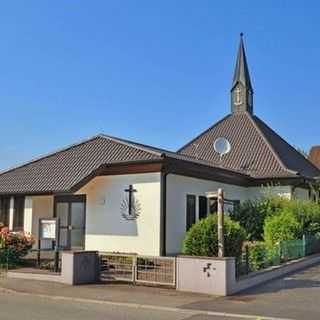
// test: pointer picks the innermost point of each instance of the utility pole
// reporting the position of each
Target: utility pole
(220, 223)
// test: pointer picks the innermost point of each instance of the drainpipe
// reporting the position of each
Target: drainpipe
(163, 213)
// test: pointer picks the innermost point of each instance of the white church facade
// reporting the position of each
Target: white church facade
(115, 195)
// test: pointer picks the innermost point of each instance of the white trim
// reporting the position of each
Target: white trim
(11, 213)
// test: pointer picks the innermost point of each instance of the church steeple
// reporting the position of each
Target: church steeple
(241, 90)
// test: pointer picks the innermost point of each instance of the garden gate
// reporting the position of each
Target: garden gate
(147, 270)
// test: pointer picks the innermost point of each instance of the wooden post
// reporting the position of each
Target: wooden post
(220, 223)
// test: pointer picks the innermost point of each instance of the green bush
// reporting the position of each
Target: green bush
(283, 226)
(202, 238)
(258, 255)
(262, 255)
(252, 214)
(307, 213)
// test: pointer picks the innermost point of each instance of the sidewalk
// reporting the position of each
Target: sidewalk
(118, 292)
(295, 296)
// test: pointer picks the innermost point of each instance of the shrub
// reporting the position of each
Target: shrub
(284, 226)
(13, 246)
(258, 255)
(252, 214)
(307, 213)
(202, 238)
(262, 255)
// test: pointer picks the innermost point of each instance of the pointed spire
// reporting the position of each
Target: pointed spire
(241, 72)
(241, 90)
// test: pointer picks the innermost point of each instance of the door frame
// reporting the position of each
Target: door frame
(69, 199)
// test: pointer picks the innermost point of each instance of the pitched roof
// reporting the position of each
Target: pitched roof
(62, 170)
(256, 149)
(59, 171)
(314, 156)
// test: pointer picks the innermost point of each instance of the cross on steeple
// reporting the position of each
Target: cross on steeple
(241, 90)
(130, 191)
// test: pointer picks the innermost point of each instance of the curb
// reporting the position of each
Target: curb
(191, 312)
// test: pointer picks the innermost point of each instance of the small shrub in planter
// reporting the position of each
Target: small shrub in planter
(202, 238)
(13, 246)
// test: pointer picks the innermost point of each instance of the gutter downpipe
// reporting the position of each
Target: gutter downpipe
(163, 212)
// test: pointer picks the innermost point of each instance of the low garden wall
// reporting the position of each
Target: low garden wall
(77, 267)
(217, 276)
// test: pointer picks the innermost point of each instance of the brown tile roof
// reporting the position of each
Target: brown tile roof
(256, 149)
(59, 171)
(64, 169)
(314, 156)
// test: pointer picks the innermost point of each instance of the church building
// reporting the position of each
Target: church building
(115, 195)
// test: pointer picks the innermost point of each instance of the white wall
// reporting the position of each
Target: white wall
(107, 230)
(255, 193)
(177, 189)
(301, 194)
(27, 219)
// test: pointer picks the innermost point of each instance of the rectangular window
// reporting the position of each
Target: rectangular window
(191, 211)
(18, 214)
(213, 205)
(203, 207)
(4, 210)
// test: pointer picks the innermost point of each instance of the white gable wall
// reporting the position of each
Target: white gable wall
(178, 187)
(106, 228)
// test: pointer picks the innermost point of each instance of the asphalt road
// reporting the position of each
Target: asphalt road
(294, 296)
(16, 306)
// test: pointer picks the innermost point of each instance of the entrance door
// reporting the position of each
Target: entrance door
(71, 212)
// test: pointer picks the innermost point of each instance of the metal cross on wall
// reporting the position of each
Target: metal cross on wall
(131, 191)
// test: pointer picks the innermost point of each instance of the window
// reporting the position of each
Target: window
(4, 210)
(18, 215)
(237, 99)
(203, 207)
(191, 211)
(213, 205)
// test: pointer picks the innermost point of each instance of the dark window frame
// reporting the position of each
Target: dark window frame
(5, 211)
(18, 213)
(202, 207)
(190, 210)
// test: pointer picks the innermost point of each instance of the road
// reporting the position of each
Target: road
(27, 307)
(294, 296)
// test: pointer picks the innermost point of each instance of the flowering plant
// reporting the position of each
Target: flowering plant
(13, 246)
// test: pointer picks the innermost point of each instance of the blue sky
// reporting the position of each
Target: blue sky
(158, 72)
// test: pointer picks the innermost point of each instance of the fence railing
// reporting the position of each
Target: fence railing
(138, 269)
(117, 267)
(156, 270)
(254, 258)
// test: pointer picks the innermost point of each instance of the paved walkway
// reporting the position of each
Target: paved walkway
(291, 297)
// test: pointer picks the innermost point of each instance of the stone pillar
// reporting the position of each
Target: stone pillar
(80, 267)
(214, 276)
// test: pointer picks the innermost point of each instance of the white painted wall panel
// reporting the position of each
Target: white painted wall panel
(301, 194)
(107, 230)
(177, 189)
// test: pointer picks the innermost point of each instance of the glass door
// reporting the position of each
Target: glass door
(71, 212)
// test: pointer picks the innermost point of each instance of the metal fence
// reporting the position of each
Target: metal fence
(117, 267)
(156, 270)
(254, 258)
(138, 269)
